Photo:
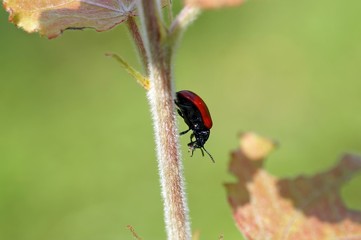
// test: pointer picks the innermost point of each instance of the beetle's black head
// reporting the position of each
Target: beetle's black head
(201, 138)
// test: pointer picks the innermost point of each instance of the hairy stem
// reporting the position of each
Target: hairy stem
(161, 100)
(134, 31)
(170, 10)
(182, 21)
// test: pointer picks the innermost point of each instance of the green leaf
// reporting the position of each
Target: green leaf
(142, 80)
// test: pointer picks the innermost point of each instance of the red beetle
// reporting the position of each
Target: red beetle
(196, 115)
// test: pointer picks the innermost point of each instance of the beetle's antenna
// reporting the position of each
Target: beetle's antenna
(202, 152)
(208, 154)
(193, 148)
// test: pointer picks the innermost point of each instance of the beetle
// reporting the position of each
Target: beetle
(196, 115)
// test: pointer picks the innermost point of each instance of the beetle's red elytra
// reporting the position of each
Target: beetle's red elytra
(196, 115)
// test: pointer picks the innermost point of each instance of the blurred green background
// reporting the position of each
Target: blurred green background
(76, 141)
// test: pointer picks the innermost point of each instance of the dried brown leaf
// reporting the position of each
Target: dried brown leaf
(52, 17)
(302, 208)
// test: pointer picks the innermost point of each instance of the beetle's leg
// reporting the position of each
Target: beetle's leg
(192, 151)
(180, 113)
(191, 145)
(192, 136)
(184, 132)
(192, 148)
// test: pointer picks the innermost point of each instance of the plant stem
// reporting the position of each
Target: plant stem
(170, 10)
(134, 31)
(161, 101)
(182, 21)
